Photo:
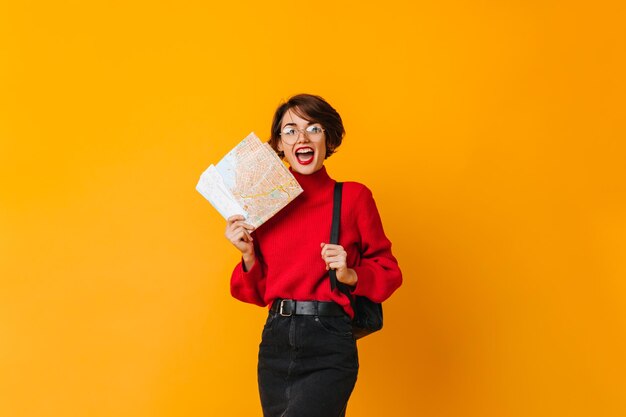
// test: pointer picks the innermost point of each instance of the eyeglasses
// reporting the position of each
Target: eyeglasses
(290, 134)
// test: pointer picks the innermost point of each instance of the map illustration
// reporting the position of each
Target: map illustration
(250, 180)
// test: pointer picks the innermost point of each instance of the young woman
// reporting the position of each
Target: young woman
(308, 361)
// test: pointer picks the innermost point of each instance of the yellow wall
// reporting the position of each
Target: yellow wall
(491, 133)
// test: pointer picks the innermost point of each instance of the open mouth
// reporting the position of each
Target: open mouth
(305, 155)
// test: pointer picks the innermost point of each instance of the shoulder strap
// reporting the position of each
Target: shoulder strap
(334, 229)
(334, 239)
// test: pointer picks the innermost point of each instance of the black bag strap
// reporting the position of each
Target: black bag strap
(334, 229)
(334, 239)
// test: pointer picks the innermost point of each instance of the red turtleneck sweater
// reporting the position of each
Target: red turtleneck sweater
(288, 254)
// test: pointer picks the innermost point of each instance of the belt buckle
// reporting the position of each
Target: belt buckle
(280, 310)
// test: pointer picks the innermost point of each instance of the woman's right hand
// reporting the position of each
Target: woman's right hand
(238, 233)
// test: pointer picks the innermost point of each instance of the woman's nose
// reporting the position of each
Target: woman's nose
(302, 136)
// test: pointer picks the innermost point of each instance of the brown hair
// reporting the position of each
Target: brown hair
(315, 110)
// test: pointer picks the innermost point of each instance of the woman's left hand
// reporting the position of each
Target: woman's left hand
(335, 258)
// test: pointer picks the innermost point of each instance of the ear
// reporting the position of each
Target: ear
(280, 146)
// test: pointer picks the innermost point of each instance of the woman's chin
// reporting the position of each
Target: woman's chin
(305, 169)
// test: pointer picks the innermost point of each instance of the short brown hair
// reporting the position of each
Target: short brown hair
(315, 110)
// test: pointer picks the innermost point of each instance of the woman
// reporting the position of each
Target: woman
(308, 361)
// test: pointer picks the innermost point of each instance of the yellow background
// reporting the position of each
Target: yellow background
(490, 132)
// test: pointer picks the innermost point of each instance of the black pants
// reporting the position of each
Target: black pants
(308, 366)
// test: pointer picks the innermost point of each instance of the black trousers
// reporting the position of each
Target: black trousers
(308, 366)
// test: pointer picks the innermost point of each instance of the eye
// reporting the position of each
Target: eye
(289, 131)
(314, 129)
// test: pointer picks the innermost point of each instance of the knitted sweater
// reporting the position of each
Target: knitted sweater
(288, 253)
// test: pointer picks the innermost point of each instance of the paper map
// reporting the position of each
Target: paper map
(250, 180)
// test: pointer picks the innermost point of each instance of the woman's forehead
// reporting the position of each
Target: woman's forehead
(293, 115)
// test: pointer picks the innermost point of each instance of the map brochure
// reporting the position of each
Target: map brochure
(250, 180)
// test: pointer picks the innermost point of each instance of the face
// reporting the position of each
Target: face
(307, 154)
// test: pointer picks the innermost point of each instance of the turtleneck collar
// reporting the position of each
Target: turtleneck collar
(313, 181)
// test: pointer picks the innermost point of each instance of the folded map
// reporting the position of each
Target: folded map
(250, 180)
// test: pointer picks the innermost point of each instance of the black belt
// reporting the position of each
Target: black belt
(306, 308)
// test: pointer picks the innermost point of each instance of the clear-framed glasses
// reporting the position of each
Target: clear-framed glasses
(290, 134)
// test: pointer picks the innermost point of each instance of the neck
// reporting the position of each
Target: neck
(312, 181)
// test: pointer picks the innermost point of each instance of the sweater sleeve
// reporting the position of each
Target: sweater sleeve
(249, 286)
(378, 272)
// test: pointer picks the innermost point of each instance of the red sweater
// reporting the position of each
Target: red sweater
(288, 254)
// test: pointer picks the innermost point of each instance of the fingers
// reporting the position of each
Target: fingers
(237, 235)
(247, 237)
(238, 220)
(332, 250)
(337, 261)
(335, 265)
(237, 230)
(334, 256)
(241, 235)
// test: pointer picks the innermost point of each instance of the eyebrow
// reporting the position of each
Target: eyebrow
(293, 124)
